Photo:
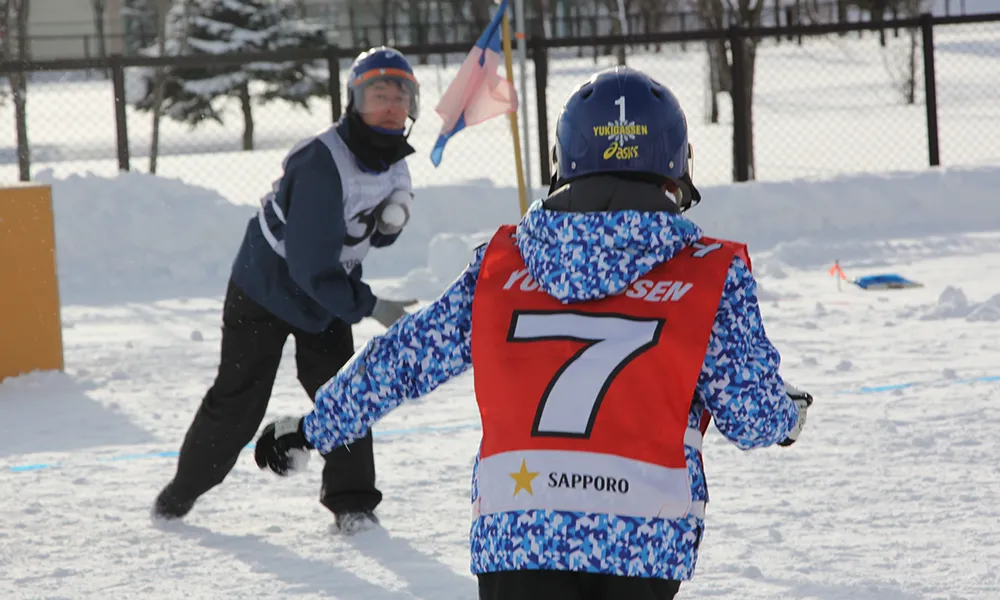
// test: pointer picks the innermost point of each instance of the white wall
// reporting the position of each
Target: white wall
(57, 28)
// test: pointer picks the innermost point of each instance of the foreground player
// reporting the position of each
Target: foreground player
(605, 331)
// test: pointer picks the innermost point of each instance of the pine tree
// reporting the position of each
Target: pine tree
(139, 23)
(181, 102)
(208, 27)
(293, 81)
(224, 27)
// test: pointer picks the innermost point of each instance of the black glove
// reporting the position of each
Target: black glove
(803, 400)
(278, 444)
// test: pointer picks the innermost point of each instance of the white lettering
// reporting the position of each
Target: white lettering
(514, 277)
(528, 284)
(705, 249)
(639, 289)
(656, 294)
(677, 291)
(659, 291)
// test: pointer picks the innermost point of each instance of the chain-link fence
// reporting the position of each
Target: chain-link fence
(825, 101)
(834, 104)
(73, 127)
(967, 71)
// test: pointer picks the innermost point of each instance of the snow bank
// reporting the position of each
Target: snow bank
(954, 304)
(139, 237)
(806, 223)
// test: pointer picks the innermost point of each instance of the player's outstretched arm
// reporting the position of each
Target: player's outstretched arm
(413, 357)
(739, 382)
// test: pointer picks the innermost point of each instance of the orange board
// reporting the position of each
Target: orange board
(30, 321)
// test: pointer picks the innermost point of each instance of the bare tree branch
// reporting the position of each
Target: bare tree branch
(19, 82)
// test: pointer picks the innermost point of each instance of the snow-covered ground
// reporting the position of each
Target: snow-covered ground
(890, 494)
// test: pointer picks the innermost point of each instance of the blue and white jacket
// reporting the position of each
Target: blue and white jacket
(739, 386)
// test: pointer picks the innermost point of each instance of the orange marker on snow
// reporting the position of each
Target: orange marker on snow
(836, 270)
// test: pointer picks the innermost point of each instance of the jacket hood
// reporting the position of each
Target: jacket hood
(594, 237)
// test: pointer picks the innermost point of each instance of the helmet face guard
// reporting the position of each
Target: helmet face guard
(378, 90)
(382, 78)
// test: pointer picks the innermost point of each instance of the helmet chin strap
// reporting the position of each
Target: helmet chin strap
(687, 195)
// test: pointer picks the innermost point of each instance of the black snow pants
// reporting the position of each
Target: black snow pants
(232, 410)
(569, 585)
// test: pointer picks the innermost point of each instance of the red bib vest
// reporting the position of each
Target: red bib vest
(585, 406)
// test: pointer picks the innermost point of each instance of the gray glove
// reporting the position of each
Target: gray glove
(803, 400)
(388, 312)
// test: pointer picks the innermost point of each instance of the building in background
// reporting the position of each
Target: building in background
(68, 29)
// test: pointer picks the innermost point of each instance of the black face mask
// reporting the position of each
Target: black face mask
(375, 150)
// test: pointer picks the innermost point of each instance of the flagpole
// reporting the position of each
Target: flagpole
(522, 57)
(521, 192)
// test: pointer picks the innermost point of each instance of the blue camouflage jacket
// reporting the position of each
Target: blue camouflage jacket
(739, 386)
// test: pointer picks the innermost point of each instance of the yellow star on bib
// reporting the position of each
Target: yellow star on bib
(523, 479)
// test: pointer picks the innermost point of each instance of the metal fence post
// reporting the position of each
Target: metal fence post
(121, 117)
(930, 89)
(19, 81)
(333, 84)
(540, 57)
(741, 128)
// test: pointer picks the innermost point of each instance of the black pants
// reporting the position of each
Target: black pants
(568, 585)
(231, 412)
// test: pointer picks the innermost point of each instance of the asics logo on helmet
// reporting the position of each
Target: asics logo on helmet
(620, 132)
(621, 152)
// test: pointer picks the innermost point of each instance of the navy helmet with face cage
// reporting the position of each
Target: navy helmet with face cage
(382, 63)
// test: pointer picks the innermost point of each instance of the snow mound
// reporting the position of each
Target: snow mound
(953, 304)
(137, 236)
(809, 223)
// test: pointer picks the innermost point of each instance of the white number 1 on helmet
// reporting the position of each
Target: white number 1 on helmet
(620, 103)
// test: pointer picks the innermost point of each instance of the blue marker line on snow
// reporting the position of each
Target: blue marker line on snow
(422, 429)
(20, 468)
(875, 389)
(168, 454)
(174, 453)
(884, 388)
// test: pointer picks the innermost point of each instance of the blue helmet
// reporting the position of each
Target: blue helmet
(622, 121)
(381, 63)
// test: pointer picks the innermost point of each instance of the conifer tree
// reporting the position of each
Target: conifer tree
(212, 27)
